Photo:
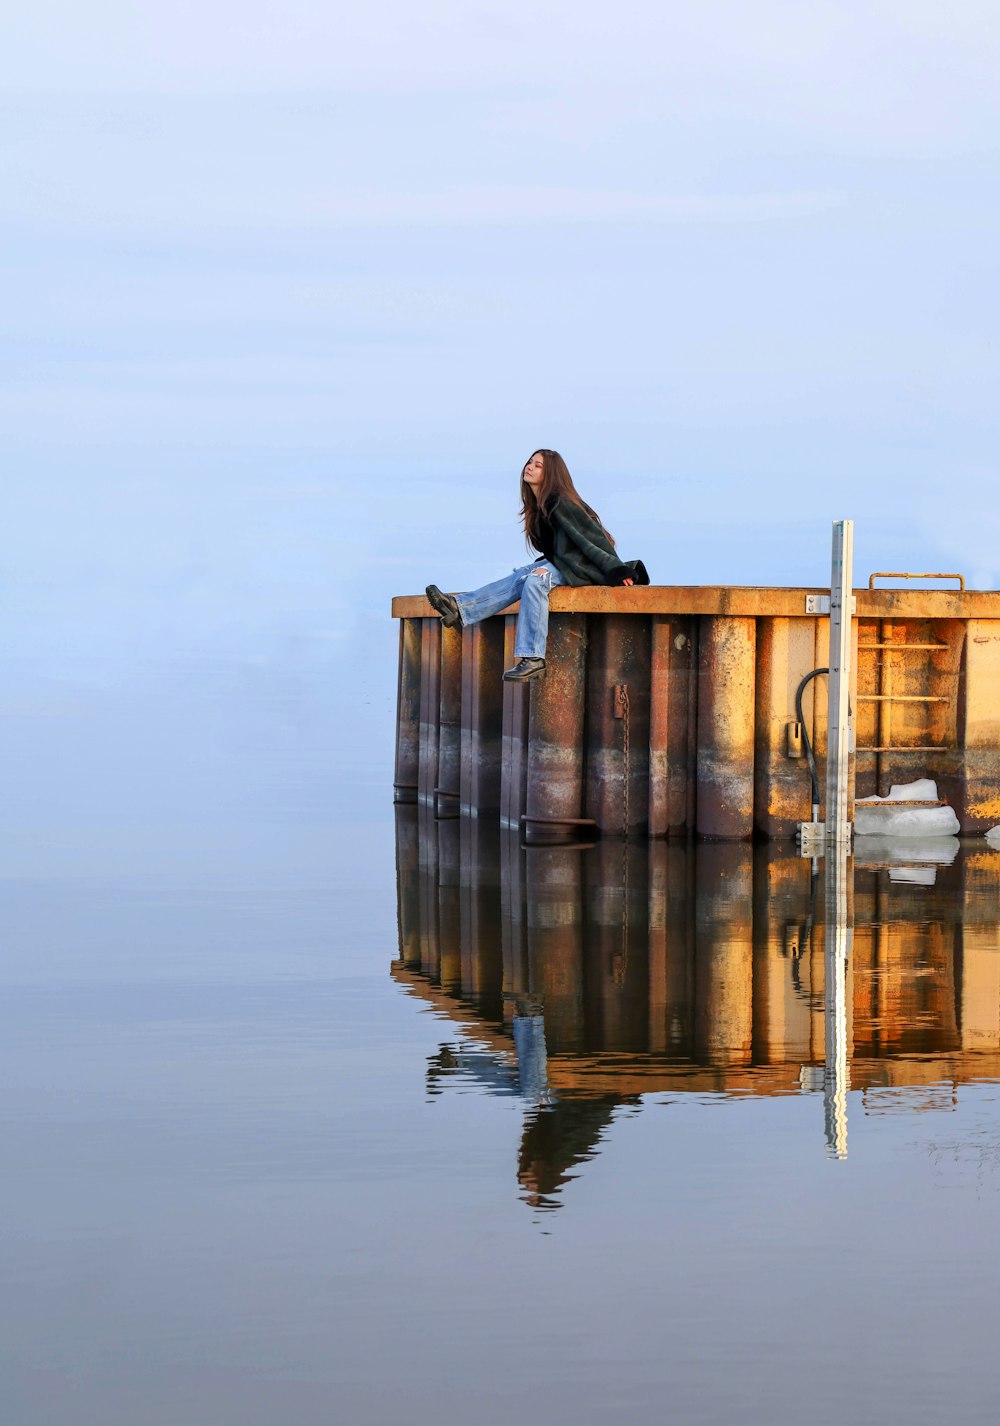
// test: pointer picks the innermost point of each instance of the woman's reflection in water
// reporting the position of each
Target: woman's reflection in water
(556, 1139)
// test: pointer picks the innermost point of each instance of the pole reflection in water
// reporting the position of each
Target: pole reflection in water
(578, 980)
(837, 954)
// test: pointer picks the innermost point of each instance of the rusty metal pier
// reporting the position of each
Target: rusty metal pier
(666, 710)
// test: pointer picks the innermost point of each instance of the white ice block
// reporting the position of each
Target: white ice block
(924, 789)
(876, 817)
(872, 820)
(904, 851)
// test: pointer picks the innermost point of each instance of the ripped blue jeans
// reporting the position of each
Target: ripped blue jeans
(531, 584)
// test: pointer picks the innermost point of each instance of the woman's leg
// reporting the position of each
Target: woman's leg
(533, 617)
(492, 598)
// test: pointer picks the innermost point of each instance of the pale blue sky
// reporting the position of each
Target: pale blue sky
(291, 290)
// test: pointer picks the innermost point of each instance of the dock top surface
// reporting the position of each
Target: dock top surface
(747, 601)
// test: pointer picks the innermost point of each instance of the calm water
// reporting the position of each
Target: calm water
(317, 1112)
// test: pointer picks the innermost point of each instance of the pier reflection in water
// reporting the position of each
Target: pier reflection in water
(582, 979)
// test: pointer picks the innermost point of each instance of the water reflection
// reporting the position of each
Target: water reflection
(836, 962)
(581, 980)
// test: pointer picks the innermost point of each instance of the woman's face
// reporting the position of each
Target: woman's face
(534, 473)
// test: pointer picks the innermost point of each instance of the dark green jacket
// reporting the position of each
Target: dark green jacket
(582, 552)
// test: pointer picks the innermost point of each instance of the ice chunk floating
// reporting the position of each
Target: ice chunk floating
(912, 809)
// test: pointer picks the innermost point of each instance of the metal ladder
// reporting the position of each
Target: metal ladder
(885, 697)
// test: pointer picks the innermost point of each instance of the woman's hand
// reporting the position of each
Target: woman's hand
(628, 581)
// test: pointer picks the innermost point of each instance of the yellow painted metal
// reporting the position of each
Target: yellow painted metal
(786, 652)
(980, 729)
(748, 601)
(726, 678)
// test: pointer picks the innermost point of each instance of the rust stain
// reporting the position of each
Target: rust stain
(747, 601)
(710, 694)
(985, 806)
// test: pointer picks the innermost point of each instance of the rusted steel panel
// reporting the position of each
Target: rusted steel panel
(691, 780)
(924, 697)
(450, 904)
(446, 792)
(430, 709)
(555, 727)
(513, 921)
(408, 884)
(946, 1026)
(671, 728)
(727, 600)
(976, 902)
(816, 722)
(785, 654)
(554, 905)
(482, 718)
(978, 986)
(979, 800)
(658, 954)
(616, 902)
(950, 1022)
(418, 606)
(618, 679)
(514, 739)
(430, 935)
(481, 941)
(480, 852)
(894, 1012)
(928, 604)
(867, 714)
(821, 700)
(671, 947)
(748, 602)
(724, 954)
(726, 728)
(785, 954)
(659, 726)
(408, 713)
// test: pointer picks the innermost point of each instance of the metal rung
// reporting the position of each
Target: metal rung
(938, 672)
(892, 748)
(903, 802)
(902, 698)
(901, 648)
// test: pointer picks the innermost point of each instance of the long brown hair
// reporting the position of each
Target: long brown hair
(557, 484)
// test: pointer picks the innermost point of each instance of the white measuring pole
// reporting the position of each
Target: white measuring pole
(838, 828)
(837, 954)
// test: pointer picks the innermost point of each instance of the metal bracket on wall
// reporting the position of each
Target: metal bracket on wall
(812, 838)
(820, 603)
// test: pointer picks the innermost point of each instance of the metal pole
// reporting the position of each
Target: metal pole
(838, 828)
(837, 950)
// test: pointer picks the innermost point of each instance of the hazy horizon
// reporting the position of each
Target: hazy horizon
(290, 294)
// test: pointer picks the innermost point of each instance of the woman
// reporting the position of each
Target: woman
(574, 547)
